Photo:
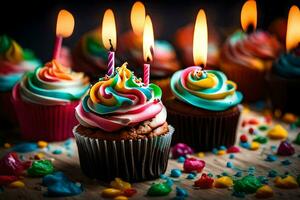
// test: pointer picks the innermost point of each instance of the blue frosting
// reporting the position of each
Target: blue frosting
(288, 65)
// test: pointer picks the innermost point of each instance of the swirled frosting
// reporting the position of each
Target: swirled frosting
(14, 62)
(288, 65)
(121, 101)
(256, 50)
(208, 89)
(53, 84)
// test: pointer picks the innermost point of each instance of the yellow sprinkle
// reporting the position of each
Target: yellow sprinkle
(289, 118)
(277, 132)
(223, 182)
(264, 192)
(246, 109)
(221, 152)
(17, 184)
(120, 184)
(39, 156)
(42, 144)
(7, 145)
(286, 182)
(254, 146)
(200, 154)
(120, 198)
(111, 192)
(277, 113)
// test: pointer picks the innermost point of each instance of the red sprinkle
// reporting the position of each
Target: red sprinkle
(5, 180)
(11, 165)
(268, 119)
(243, 138)
(193, 165)
(251, 130)
(129, 192)
(253, 121)
(233, 149)
(204, 182)
(244, 123)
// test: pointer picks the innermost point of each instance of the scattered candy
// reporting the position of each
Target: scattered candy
(191, 176)
(277, 132)
(39, 156)
(17, 184)
(4, 180)
(289, 118)
(260, 139)
(251, 130)
(129, 192)
(229, 164)
(231, 156)
(204, 182)
(264, 192)
(6, 145)
(175, 173)
(286, 162)
(223, 148)
(253, 121)
(286, 182)
(120, 198)
(181, 159)
(223, 182)
(41, 168)
(25, 147)
(238, 174)
(181, 149)
(120, 184)
(57, 151)
(245, 145)
(42, 144)
(285, 149)
(10, 164)
(297, 140)
(111, 193)
(193, 165)
(200, 155)
(215, 151)
(159, 189)
(233, 149)
(221, 152)
(272, 173)
(248, 184)
(254, 146)
(243, 138)
(181, 193)
(58, 185)
(263, 128)
(264, 180)
(271, 158)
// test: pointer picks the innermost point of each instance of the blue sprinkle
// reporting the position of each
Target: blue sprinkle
(191, 176)
(264, 180)
(215, 151)
(68, 142)
(210, 174)
(169, 182)
(271, 158)
(272, 173)
(286, 162)
(245, 145)
(58, 185)
(175, 173)
(57, 151)
(231, 156)
(163, 176)
(180, 192)
(223, 148)
(274, 148)
(251, 168)
(239, 194)
(229, 164)
(25, 147)
(181, 159)
(224, 174)
(238, 174)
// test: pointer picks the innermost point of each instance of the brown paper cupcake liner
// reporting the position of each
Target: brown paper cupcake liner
(131, 160)
(203, 133)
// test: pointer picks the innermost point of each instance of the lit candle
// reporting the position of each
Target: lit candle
(249, 16)
(293, 29)
(148, 46)
(109, 39)
(200, 40)
(137, 18)
(64, 28)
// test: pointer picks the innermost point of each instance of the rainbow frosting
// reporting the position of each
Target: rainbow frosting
(53, 84)
(121, 101)
(288, 65)
(206, 89)
(256, 50)
(14, 62)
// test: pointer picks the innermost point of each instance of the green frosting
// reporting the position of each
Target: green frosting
(5, 43)
(159, 189)
(41, 168)
(297, 140)
(261, 139)
(248, 184)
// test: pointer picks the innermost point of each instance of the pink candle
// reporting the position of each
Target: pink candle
(57, 47)
(146, 74)
(111, 63)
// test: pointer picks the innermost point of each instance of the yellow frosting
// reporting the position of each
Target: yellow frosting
(277, 133)
(287, 182)
(223, 182)
(264, 192)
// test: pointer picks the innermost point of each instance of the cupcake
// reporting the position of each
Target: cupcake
(14, 62)
(90, 56)
(122, 129)
(246, 58)
(205, 110)
(45, 100)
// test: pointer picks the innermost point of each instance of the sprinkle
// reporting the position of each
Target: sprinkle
(159, 189)
(264, 180)
(251, 130)
(221, 152)
(264, 192)
(40, 168)
(210, 174)
(17, 184)
(223, 182)
(263, 128)
(231, 156)
(254, 146)
(253, 121)
(204, 182)
(215, 151)
(233, 149)
(200, 155)
(42, 144)
(111, 193)
(190, 176)
(181, 149)
(193, 164)
(248, 184)
(260, 139)
(271, 158)
(229, 164)
(243, 138)
(272, 173)
(25, 147)
(180, 192)
(286, 182)
(277, 132)
(39, 156)
(120, 184)
(129, 192)
(245, 145)
(120, 198)
(223, 148)
(175, 173)
(289, 118)
(285, 149)
(7, 145)
(286, 162)
(238, 174)
(181, 159)
(57, 151)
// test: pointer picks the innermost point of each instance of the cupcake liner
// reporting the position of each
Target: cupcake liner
(203, 133)
(8, 116)
(41, 122)
(282, 93)
(131, 160)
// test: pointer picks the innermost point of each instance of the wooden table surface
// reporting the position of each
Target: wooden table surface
(68, 163)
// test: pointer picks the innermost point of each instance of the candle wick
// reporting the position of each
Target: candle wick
(250, 28)
(111, 46)
(201, 66)
(148, 59)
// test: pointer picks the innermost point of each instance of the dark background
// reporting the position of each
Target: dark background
(32, 23)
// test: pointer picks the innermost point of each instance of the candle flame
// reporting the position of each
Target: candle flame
(293, 28)
(200, 39)
(249, 15)
(148, 40)
(65, 24)
(137, 17)
(109, 33)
